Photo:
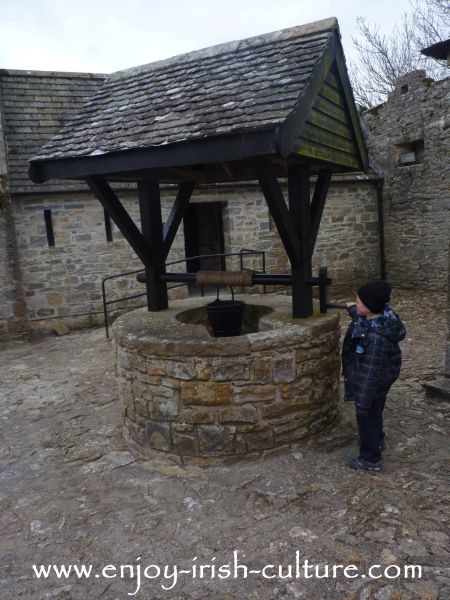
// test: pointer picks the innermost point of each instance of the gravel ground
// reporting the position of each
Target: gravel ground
(71, 493)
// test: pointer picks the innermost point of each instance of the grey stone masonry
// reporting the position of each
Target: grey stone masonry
(348, 239)
(447, 352)
(411, 142)
(13, 318)
(63, 283)
(198, 397)
(440, 388)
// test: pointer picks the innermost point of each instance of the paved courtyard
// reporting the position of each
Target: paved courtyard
(71, 493)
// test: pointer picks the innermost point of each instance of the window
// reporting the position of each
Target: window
(49, 227)
(410, 153)
(108, 228)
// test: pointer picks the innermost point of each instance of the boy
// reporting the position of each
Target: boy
(371, 360)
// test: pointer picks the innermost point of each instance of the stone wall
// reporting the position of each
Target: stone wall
(64, 282)
(415, 118)
(13, 321)
(41, 285)
(194, 396)
(8, 292)
(447, 347)
(348, 239)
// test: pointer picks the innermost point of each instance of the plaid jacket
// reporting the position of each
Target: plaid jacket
(371, 357)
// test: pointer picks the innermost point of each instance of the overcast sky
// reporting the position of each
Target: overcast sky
(101, 36)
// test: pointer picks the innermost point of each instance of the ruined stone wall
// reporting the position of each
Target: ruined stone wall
(415, 118)
(447, 347)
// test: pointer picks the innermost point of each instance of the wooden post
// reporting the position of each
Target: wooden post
(300, 213)
(152, 231)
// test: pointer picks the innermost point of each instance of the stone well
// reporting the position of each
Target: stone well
(196, 397)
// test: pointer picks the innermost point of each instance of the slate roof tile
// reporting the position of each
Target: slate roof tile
(241, 86)
(35, 106)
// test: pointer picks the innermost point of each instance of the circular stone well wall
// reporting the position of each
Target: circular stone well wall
(195, 396)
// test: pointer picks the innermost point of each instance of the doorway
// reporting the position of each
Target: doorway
(203, 235)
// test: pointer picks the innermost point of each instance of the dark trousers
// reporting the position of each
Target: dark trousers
(370, 430)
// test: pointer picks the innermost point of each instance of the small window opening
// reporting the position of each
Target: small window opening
(49, 227)
(108, 227)
(404, 89)
(410, 153)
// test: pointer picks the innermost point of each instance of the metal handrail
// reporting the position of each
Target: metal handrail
(106, 303)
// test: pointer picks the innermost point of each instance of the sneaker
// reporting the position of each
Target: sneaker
(356, 462)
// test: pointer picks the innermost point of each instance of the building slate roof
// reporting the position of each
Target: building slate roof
(440, 50)
(236, 87)
(35, 105)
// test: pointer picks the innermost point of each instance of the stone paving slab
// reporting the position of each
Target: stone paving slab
(438, 389)
(72, 493)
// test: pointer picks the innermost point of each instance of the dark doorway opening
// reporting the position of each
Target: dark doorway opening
(203, 235)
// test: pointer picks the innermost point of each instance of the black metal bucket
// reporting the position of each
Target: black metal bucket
(226, 316)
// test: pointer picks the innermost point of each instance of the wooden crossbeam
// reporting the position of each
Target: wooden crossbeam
(176, 215)
(318, 204)
(111, 203)
(279, 211)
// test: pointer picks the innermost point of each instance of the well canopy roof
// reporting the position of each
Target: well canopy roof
(227, 92)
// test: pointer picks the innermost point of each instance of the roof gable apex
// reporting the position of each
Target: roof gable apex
(290, 129)
(348, 92)
(294, 132)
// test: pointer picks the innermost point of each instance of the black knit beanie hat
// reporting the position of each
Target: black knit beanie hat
(375, 295)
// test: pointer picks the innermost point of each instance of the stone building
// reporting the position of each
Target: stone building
(410, 141)
(57, 246)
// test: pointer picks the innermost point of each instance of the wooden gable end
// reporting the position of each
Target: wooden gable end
(328, 133)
